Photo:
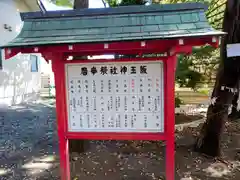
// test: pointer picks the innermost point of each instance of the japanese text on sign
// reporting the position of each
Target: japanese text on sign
(119, 97)
(113, 70)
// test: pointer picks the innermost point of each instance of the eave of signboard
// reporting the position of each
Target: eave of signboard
(169, 46)
(40, 37)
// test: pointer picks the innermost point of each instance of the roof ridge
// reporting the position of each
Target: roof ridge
(115, 10)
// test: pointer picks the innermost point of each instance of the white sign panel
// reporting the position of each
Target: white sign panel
(115, 97)
(233, 50)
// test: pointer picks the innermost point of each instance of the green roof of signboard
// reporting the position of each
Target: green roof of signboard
(114, 24)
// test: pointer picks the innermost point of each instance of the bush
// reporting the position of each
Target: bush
(204, 91)
(178, 101)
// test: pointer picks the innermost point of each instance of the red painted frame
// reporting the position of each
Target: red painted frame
(128, 47)
(169, 121)
(121, 136)
(59, 53)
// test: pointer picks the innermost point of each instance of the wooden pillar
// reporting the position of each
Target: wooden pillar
(61, 110)
(169, 101)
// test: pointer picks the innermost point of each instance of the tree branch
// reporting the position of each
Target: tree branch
(104, 3)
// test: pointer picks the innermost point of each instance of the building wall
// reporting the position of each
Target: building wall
(27, 5)
(17, 82)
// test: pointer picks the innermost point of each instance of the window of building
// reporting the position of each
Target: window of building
(34, 63)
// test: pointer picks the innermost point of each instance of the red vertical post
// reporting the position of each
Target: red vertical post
(170, 116)
(61, 110)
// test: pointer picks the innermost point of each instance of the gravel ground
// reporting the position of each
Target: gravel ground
(27, 141)
(28, 151)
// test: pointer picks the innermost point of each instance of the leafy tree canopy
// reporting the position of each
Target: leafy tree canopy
(114, 3)
(67, 3)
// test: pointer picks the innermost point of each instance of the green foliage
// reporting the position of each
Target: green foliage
(215, 9)
(184, 1)
(215, 13)
(204, 91)
(114, 3)
(66, 3)
(132, 2)
(199, 68)
(185, 76)
(178, 101)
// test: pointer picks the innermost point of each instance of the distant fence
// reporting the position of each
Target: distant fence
(47, 86)
(189, 96)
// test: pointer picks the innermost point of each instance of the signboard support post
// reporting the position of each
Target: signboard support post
(58, 69)
(170, 117)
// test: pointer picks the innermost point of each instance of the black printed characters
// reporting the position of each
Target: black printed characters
(143, 69)
(113, 70)
(94, 70)
(104, 70)
(123, 70)
(84, 71)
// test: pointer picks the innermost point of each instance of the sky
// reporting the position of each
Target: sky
(51, 7)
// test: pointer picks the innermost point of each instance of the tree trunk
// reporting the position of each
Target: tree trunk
(225, 87)
(80, 4)
(235, 113)
(79, 146)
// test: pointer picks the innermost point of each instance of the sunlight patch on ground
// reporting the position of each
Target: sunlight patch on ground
(39, 165)
(235, 164)
(20, 108)
(187, 178)
(194, 124)
(29, 109)
(217, 170)
(37, 168)
(46, 159)
(48, 103)
(3, 171)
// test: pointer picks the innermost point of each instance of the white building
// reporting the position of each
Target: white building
(20, 77)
